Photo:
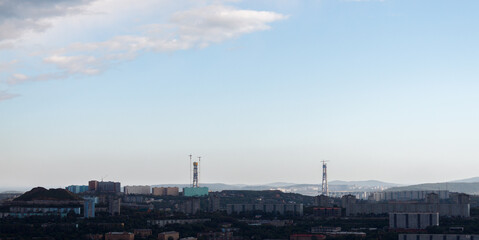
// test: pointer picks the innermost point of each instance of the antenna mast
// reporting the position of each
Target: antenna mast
(190, 168)
(199, 170)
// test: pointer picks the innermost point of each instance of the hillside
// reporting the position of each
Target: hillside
(40, 193)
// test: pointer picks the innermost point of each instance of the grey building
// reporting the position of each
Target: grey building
(437, 237)
(406, 195)
(296, 209)
(191, 206)
(413, 220)
(444, 209)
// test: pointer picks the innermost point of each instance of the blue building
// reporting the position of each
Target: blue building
(77, 188)
(195, 191)
(89, 207)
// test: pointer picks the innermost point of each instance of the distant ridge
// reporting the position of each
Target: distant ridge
(366, 183)
(305, 189)
(461, 187)
(468, 180)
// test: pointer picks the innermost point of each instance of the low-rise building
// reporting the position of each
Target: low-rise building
(218, 236)
(169, 235)
(142, 233)
(164, 222)
(119, 236)
(307, 236)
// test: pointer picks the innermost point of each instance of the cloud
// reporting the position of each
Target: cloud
(362, 0)
(4, 95)
(20, 16)
(7, 66)
(195, 28)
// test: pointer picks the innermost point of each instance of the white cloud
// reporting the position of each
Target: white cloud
(194, 28)
(20, 16)
(4, 95)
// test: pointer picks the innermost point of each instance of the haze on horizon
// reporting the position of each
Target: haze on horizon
(262, 90)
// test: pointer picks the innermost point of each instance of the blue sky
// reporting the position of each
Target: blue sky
(262, 90)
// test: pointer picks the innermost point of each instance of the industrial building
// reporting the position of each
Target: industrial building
(413, 220)
(141, 190)
(296, 209)
(437, 237)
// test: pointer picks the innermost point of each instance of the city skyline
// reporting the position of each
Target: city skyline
(263, 91)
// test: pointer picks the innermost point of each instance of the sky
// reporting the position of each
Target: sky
(263, 91)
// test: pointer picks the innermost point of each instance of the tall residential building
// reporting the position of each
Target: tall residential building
(191, 206)
(165, 191)
(413, 220)
(143, 190)
(89, 207)
(114, 204)
(104, 187)
(93, 185)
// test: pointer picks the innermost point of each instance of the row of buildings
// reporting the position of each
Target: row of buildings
(115, 188)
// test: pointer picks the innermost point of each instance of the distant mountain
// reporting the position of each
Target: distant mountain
(305, 189)
(468, 180)
(367, 183)
(280, 184)
(462, 187)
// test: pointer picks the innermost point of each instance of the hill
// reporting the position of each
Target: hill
(40, 193)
